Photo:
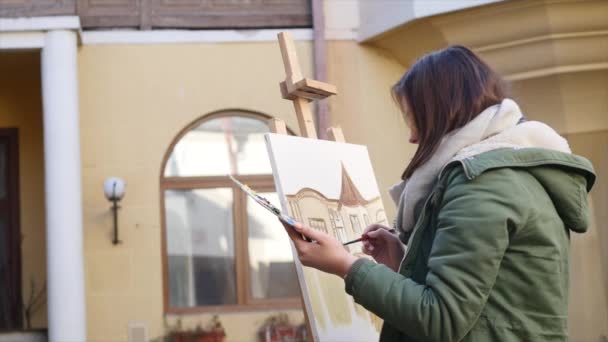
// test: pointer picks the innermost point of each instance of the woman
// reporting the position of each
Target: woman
(486, 208)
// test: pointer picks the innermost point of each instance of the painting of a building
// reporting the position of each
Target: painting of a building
(345, 217)
(336, 193)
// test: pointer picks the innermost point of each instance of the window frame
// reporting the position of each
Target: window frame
(334, 217)
(355, 219)
(260, 183)
(318, 224)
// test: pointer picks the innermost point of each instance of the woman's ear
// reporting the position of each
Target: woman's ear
(411, 124)
(409, 121)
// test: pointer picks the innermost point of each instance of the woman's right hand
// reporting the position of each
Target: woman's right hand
(384, 246)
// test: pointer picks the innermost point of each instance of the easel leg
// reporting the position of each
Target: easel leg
(305, 119)
(277, 126)
(309, 337)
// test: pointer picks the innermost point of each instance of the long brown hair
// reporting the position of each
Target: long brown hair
(444, 91)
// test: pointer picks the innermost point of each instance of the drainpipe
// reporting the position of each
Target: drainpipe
(319, 45)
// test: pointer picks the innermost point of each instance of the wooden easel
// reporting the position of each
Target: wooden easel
(302, 91)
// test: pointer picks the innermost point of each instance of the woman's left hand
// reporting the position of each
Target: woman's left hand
(326, 253)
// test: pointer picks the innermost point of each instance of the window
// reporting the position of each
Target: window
(318, 224)
(295, 210)
(336, 219)
(340, 234)
(221, 250)
(366, 220)
(356, 224)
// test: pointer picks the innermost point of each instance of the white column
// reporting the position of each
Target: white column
(64, 252)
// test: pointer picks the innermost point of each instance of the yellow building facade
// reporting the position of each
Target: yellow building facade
(139, 92)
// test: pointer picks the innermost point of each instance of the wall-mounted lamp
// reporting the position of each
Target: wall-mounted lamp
(114, 189)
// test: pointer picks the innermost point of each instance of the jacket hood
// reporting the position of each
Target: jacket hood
(566, 177)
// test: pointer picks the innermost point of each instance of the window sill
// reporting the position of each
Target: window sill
(291, 304)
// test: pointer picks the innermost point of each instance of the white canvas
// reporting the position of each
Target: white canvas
(331, 187)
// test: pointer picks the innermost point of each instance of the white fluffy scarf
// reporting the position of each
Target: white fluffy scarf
(494, 128)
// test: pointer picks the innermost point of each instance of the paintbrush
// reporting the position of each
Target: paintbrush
(263, 202)
(267, 205)
(365, 237)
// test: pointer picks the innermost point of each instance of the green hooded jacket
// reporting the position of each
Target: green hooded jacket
(489, 256)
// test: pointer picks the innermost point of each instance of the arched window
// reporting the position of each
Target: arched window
(222, 251)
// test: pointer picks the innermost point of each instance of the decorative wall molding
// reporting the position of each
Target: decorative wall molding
(189, 36)
(29, 33)
(39, 23)
(531, 40)
(563, 69)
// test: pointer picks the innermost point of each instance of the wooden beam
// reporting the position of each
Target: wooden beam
(290, 57)
(305, 118)
(277, 126)
(311, 89)
(335, 134)
(285, 93)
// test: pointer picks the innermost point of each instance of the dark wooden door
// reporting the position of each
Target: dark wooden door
(10, 236)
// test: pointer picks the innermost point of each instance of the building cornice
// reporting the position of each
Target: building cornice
(188, 36)
(549, 33)
(381, 16)
(29, 33)
(39, 24)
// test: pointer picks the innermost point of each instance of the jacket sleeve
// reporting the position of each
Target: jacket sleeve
(472, 234)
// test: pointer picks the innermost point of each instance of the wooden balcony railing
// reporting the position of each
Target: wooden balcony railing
(147, 14)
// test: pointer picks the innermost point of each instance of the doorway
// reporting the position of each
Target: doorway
(11, 317)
